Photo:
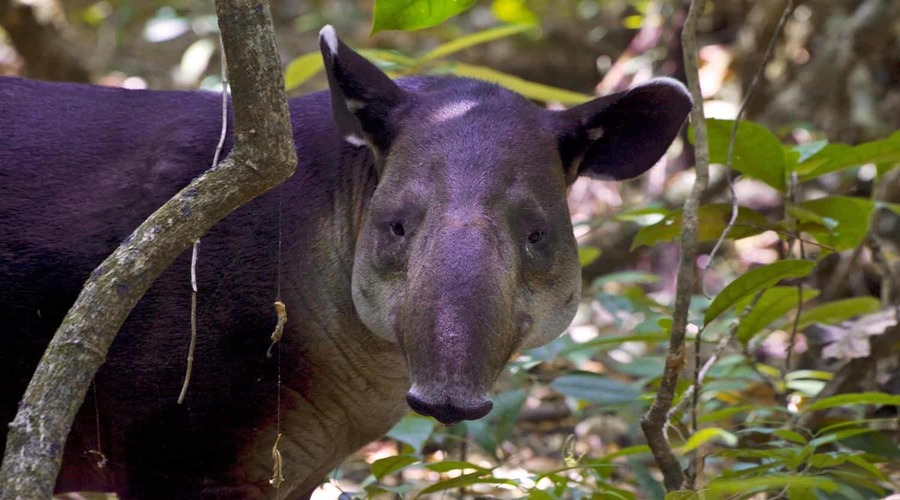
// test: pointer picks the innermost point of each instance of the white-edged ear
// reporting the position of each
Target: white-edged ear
(621, 135)
(363, 99)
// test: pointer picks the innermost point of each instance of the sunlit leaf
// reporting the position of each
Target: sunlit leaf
(465, 480)
(839, 310)
(847, 220)
(730, 486)
(626, 277)
(789, 435)
(587, 255)
(513, 11)
(863, 398)
(772, 305)
(711, 221)
(471, 40)
(757, 151)
(594, 388)
(706, 435)
(415, 14)
(833, 159)
(449, 465)
(413, 430)
(807, 150)
(754, 280)
(302, 69)
(531, 90)
(683, 495)
(390, 465)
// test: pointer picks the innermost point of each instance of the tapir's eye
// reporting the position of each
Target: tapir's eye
(536, 237)
(397, 229)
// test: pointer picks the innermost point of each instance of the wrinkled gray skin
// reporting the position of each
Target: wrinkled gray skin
(464, 287)
(424, 238)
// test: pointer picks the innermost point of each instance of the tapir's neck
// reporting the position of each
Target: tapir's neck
(346, 384)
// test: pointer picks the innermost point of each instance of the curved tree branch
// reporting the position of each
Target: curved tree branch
(262, 158)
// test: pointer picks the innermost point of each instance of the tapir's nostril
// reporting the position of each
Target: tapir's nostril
(449, 412)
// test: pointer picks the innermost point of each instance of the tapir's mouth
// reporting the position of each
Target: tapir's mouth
(448, 409)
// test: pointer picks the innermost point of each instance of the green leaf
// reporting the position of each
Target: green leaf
(390, 465)
(862, 463)
(531, 90)
(789, 435)
(863, 398)
(717, 488)
(755, 280)
(807, 150)
(513, 11)
(703, 436)
(587, 255)
(464, 480)
(683, 495)
(846, 220)
(449, 465)
(839, 310)
(477, 38)
(834, 159)
(711, 221)
(757, 152)
(415, 14)
(302, 69)
(626, 277)
(773, 304)
(413, 430)
(594, 388)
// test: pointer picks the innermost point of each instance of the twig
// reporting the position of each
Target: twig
(653, 422)
(263, 157)
(215, 161)
(795, 194)
(729, 159)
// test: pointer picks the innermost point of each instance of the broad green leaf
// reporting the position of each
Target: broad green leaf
(465, 480)
(863, 398)
(587, 255)
(807, 150)
(862, 463)
(513, 11)
(302, 69)
(809, 375)
(477, 38)
(831, 160)
(847, 220)
(449, 465)
(626, 277)
(492, 429)
(703, 436)
(595, 388)
(415, 14)
(757, 152)
(838, 311)
(717, 488)
(531, 90)
(390, 465)
(755, 280)
(643, 216)
(413, 430)
(773, 304)
(711, 221)
(789, 435)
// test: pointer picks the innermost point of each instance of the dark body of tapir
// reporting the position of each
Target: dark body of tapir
(424, 238)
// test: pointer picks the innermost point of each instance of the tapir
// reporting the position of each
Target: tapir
(423, 240)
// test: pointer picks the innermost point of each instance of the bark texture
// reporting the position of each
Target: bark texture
(262, 158)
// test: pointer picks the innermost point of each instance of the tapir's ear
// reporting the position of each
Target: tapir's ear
(362, 97)
(620, 136)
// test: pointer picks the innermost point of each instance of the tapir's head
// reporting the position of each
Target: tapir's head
(466, 253)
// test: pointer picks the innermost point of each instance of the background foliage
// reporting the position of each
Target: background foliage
(795, 317)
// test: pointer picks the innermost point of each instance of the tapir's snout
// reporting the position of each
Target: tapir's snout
(448, 409)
